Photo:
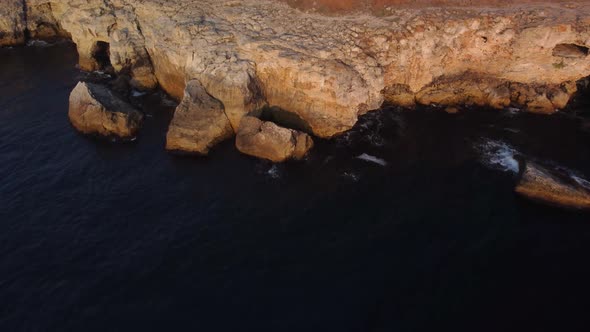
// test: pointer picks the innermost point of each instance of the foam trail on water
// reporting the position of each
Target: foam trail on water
(499, 155)
(576, 176)
(372, 159)
(583, 182)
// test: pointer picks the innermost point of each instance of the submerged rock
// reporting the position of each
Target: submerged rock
(199, 122)
(266, 140)
(553, 188)
(94, 109)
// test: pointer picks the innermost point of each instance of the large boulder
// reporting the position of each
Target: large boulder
(199, 122)
(266, 140)
(553, 188)
(94, 109)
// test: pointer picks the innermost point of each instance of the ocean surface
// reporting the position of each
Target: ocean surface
(407, 223)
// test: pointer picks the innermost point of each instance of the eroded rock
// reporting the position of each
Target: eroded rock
(550, 187)
(329, 69)
(266, 140)
(94, 109)
(572, 51)
(12, 23)
(199, 122)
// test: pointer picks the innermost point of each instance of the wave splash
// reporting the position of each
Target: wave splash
(372, 159)
(499, 155)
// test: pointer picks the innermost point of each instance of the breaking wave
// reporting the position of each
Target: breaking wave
(498, 155)
(578, 177)
(372, 159)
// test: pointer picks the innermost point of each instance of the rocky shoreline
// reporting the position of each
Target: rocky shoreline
(225, 61)
(327, 70)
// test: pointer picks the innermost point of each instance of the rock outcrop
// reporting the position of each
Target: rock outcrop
(266, 140)
(542, 185)
(12, 23)
(95, 110)
(199, 122)
(329, 69)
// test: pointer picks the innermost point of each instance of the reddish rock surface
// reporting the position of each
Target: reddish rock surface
(377, 6)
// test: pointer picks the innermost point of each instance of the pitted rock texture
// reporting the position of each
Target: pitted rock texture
(12, 22)
(329, 69)
(267, 140)
(542, 185)
(381, 7)
(199, 122)
(95, 110)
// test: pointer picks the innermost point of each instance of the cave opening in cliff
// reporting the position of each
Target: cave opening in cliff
(101, 53)
(284, 118)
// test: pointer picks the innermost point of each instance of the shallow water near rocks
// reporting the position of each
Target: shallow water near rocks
(100, 236)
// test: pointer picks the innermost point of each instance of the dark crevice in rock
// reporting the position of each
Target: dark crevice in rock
(283, 118)
(102, 55)
(26, 31)
(571, 51)
(579, 104)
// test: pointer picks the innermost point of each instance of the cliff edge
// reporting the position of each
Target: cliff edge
(326, 69)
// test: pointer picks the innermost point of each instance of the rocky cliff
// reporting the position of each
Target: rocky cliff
(326, 69)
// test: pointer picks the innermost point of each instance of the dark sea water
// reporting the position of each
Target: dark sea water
(97, 236)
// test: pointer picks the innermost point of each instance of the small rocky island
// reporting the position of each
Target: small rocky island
(325, 63)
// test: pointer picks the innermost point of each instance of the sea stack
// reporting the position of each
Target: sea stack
(199, 122)
(94, 109)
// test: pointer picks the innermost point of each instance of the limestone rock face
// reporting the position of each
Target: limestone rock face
(114, 23)
(329, 69)
(266, 140)
(95, 110)
(199, 122)
(539, 184)
(41, 22)
(12, 23)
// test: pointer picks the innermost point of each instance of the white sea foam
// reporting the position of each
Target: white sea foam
(372, 159)
(137, 93)
(576, 176)
(101, 74)
(583, 182)
(274, 172)
(38, 43)
(499, 155)
(351, 176)
(512, 130)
